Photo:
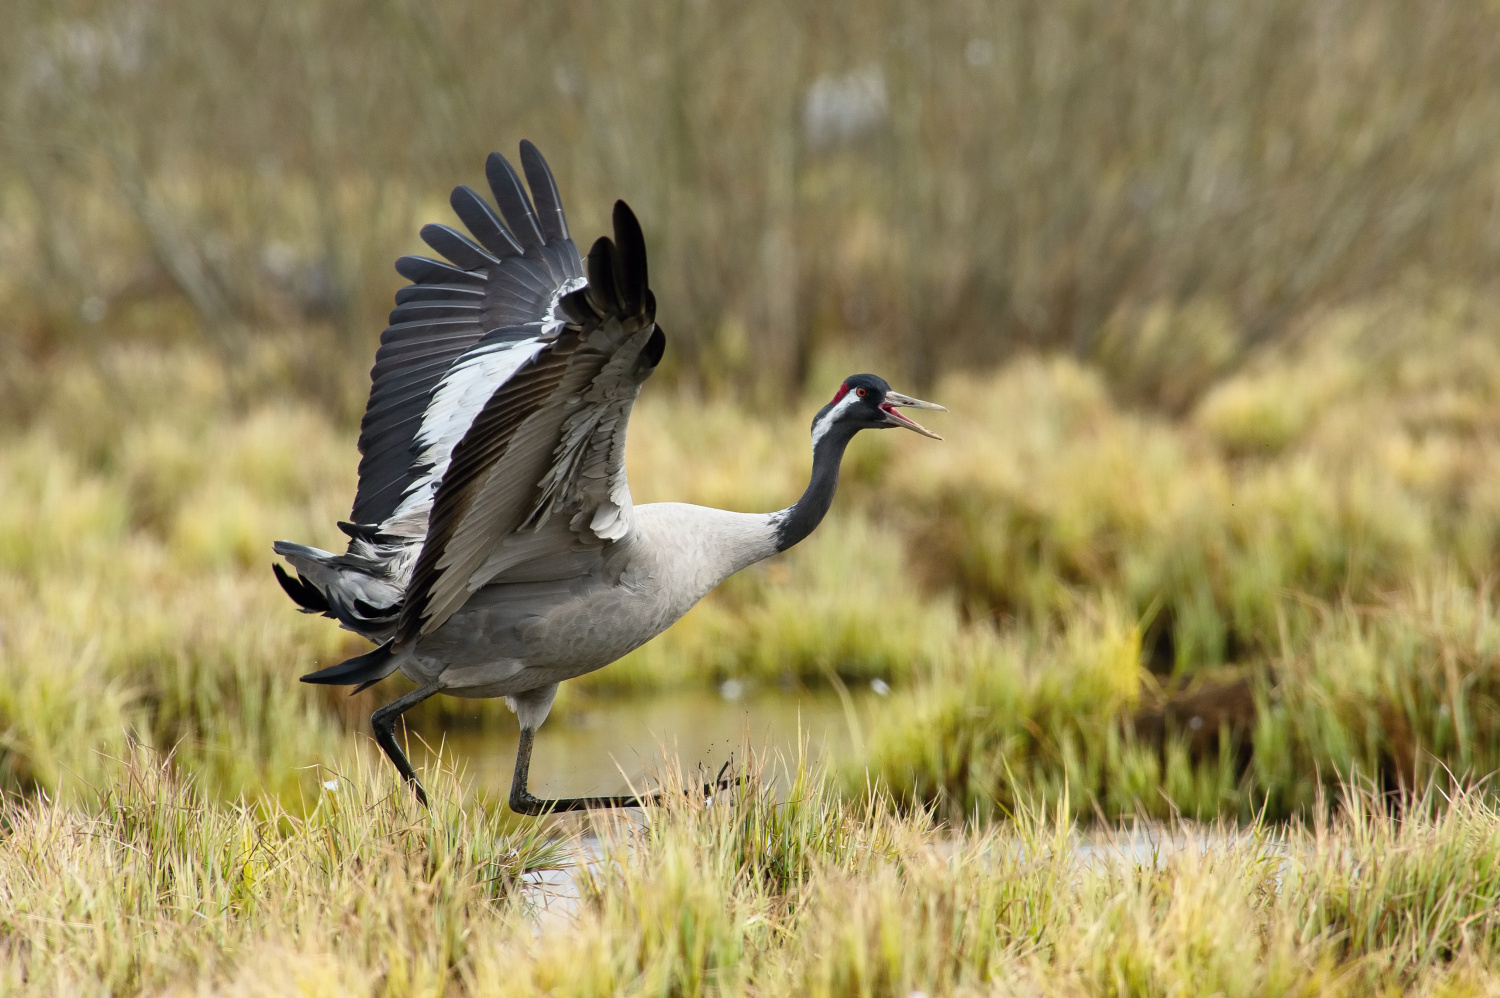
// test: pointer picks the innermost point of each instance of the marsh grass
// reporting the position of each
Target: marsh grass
(1238, 471)
(1163, 614)
(1319, 606)
(153, 886)
(126, 551)
(148, 882)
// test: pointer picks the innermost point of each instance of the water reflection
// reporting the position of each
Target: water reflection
(607, 745)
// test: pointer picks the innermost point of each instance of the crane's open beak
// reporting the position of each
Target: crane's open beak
(894, 399)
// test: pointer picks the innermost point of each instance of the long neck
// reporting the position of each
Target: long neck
(801, 517)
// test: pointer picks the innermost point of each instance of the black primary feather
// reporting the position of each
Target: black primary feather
(512, 200)
(423, 310)
(457, 247)
(629, 260)
(549, 213)
(425, 270)
(601, 271)
(360, 531)
(652, 352)
(476, 213)
(439, 292)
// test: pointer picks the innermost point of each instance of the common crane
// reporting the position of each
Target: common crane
(493, 547)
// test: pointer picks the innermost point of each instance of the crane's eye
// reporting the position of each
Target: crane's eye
(860, 392)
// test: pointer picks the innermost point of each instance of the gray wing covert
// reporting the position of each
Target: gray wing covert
(546, 448)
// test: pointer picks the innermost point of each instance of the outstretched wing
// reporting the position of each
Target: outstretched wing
(462, 327)
(544, 453)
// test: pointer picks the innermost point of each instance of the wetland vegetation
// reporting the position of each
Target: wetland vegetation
(1213, 536)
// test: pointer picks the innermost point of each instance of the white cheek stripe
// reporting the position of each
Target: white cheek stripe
(821, 428)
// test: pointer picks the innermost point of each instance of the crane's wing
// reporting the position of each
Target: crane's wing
(543, 455)
(501, 287)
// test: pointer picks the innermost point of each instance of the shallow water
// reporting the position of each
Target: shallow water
(609, 746)
(617, 745)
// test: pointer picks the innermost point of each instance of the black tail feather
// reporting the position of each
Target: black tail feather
(360, 531)
(302, 592)
(359, 671)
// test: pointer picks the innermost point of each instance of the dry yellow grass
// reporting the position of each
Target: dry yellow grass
(153, 887)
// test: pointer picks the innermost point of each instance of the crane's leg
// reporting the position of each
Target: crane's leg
(522, 802)
(384, 723)
(531, 709)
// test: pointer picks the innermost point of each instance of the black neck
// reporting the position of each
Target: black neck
(801, 517)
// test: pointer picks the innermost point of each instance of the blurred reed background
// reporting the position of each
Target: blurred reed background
(1158, 187)
(1208, 287)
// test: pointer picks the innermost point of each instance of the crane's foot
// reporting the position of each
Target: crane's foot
(720, 783)
(525, 803)
(522, 801)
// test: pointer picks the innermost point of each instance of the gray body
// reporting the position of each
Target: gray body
(516, 637)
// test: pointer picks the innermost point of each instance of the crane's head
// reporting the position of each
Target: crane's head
(865, 402)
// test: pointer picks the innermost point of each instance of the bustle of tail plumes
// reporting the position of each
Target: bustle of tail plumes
(362, 589)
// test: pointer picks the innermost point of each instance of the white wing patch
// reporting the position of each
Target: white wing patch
(457, 400)
(463, 391)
